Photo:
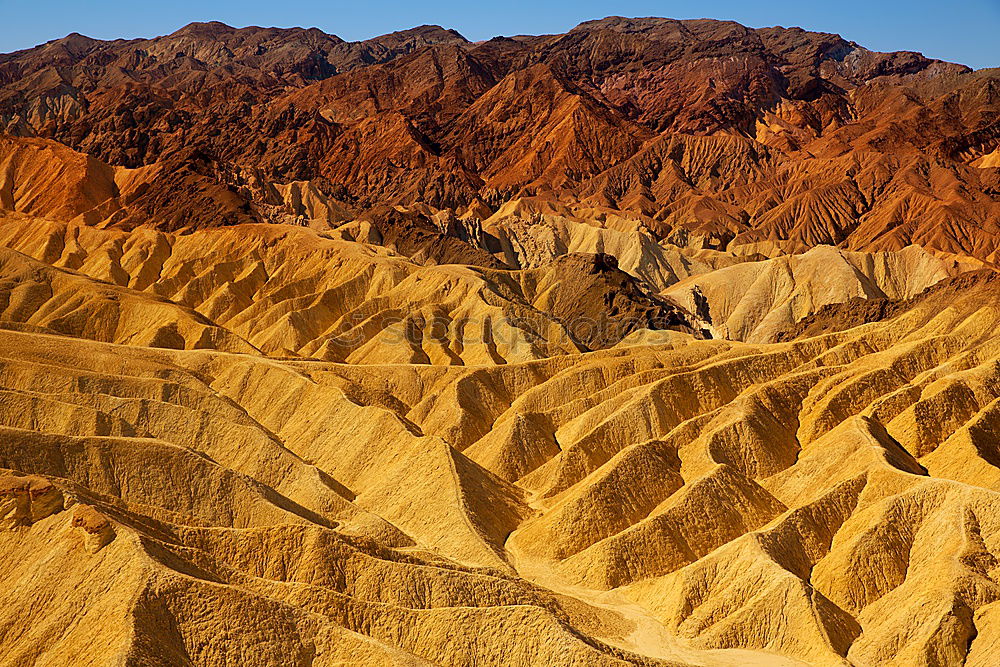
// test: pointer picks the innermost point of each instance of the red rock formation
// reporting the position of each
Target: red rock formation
(710, 128)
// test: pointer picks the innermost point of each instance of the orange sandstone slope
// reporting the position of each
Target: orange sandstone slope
(776, 136)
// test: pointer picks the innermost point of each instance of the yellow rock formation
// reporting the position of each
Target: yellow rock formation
(215, 446)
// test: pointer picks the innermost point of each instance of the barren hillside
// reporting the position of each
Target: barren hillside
(653, 343)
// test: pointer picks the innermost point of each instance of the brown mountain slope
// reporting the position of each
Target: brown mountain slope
(819, 140)
(532, 129)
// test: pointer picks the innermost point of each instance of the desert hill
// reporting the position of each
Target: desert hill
(665, 500)
(659, 343)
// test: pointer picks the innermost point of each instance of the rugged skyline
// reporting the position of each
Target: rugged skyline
(699, 127)
(893, 25)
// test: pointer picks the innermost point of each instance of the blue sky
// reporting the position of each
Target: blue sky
(967, 31)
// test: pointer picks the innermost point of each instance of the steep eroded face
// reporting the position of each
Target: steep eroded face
(656, 342)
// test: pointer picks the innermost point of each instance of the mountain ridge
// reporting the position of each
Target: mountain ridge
(425, 116)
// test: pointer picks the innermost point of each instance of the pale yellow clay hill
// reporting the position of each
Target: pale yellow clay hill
(219, 448)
